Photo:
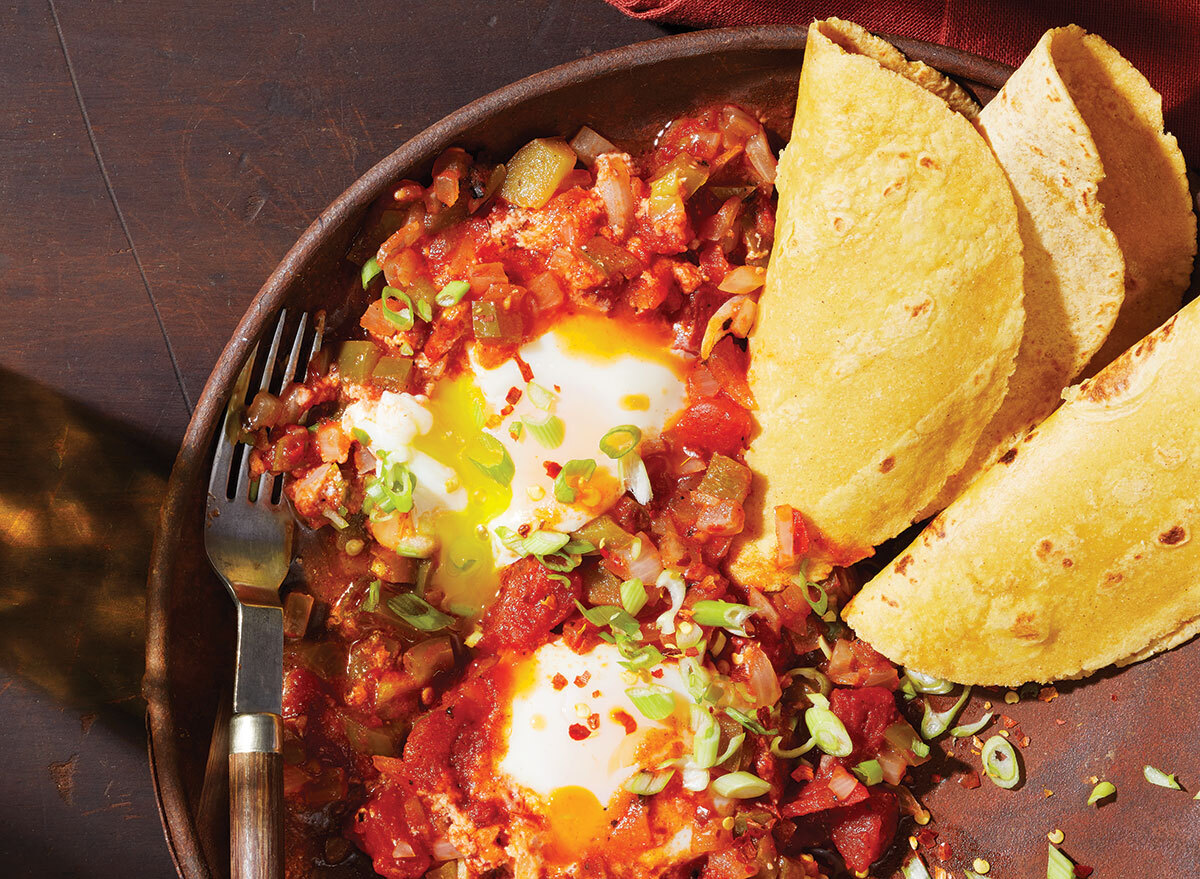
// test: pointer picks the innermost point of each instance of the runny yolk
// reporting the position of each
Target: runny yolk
(577, 822)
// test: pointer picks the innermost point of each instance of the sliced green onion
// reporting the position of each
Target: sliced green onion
(543, 542)
(914, 868)
(869, 772)
(688, 637)
(724, 614)
(548, 430)
(402, 319)
(672, 582)
(646, 783)
(370, 269)
(364, 438)
(1102, 790)
(1000, 762)
(934, 723)
(1058, 865)
(820, 604)
(1160, 778)
(424, 310)
(818, 678)
(735, 745)
(560, 562)
(970, 729)
(540, 396)
(575, 546)
(827, 728)
(706, 740)
(499, 464)
(635, 655)
(371, 600)
(653, 700)
(516, 429)
(740, 786)
(416, 546)
(565, 491)
(607, 615)
(750, 722)
(418, 612)
(620, 441)
(452, 293)
(791, 753)
(924, 683)
(633, 596)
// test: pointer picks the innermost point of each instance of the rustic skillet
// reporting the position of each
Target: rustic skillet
(625, 93)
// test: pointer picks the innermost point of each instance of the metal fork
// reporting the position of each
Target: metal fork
(248, 538)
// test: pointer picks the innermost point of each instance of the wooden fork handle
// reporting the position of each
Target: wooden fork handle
(256, 796)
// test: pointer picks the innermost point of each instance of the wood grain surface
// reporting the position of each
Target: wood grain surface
(156, 161)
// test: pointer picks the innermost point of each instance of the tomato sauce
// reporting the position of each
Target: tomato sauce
(393, 705)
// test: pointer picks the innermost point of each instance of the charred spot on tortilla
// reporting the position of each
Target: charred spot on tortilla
(1173, 536)
(1009, 456)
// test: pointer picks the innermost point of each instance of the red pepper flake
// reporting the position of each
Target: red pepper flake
(593, 721)
(656, 672)
(943, 851)
(1083, 872)
(1022, 739)
(1047, 694)
(595, 694)
(803, 772)
(552, 469)
(969, 779)
(926, 837)
(1009, 723)
(513, 396)
(623, 718)
(1059, 721)
(559, 681)
(691, 651)
(935, 778)
(582, 680)
(578, 732)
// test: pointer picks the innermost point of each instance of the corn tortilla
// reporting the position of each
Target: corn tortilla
(1068, 181)
(896, 229)
(1076, 551)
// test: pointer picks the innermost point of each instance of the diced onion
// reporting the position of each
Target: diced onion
(841, 783)
(444, 850)
(694, 778)
(646, 565)
(760, 676)
(635, 478)
(743, 279)
(588, 144)
(734, 317)
(762, 160)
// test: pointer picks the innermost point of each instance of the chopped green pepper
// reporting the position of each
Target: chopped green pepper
(356, 359)
(726, 479)
(495, 323)
(391, 373)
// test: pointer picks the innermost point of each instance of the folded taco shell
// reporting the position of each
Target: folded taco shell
(896, 231)
(1080, 135)
(1078, 550)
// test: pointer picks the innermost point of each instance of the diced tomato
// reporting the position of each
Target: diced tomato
(867, 713)
(819, 794)
(857, 664)
(531, 603)
(862, 832)
(713, 424)
(301, 691)
(382, 829)
(736, 862)
(333, 443)
(727, 363)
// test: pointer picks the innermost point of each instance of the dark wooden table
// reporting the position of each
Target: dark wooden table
(156, 161)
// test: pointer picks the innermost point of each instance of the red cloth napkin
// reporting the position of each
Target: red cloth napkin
(1160, 37)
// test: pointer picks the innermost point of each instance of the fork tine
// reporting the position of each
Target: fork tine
(264, 383)
(218, 481)
(297, 347)
(241, 490)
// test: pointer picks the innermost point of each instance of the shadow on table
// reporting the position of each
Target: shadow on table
(79, 499)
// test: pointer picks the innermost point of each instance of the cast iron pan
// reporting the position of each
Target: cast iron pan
(1106, 727)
